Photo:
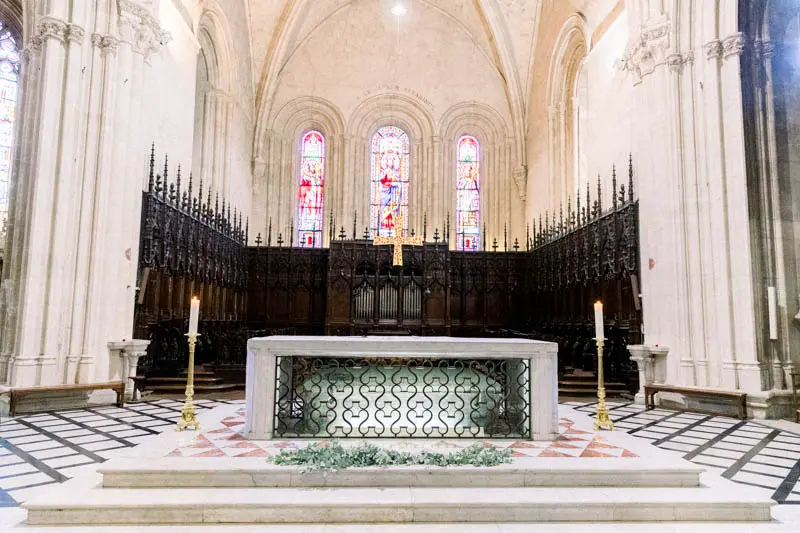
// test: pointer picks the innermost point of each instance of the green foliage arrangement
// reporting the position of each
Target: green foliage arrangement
(318, 457)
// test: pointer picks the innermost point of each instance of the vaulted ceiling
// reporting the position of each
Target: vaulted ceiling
(502, 31)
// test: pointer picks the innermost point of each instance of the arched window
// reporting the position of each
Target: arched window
(468, 195)
(9, 75)
(312, 190)
(389, 191)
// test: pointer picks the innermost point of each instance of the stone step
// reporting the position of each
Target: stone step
(197, 379)
(588, 392)
(198, 387)
(568, 382)
(616, 527)
(539, 472)
(396, 505)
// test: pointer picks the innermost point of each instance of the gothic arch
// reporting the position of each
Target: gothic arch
(214, 100)
(11, 15)
(277, 160)
(286, 39)
(214, 36)
(488, 127)
(569, 53)
(390, 109)
(308, 112)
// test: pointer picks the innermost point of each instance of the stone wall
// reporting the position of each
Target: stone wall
(99, 81)
(358, 68)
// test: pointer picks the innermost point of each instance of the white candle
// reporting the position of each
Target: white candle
(194, 316)
(598, 321)
(772, 302)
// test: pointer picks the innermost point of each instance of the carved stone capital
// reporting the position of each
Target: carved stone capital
(74, 33)
(733, 45)
(51, 28)
(140, 29)
(520, 176)
(649, 50)
(767, 49)
(714, 49)
(676, 62)
(108, 44)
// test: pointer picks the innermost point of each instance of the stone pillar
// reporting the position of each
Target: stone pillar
(68, 285)
(124, 357)
(651, 361)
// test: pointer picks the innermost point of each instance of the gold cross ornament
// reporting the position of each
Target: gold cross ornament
(398, 240)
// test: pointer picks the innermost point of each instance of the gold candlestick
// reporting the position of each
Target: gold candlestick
(188, 419)
(602, 421)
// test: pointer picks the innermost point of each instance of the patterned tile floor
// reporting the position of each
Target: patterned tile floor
(225, 440)
(743, 451)
(43, 449)
(46, 448)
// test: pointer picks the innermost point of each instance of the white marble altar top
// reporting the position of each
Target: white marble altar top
(392, 346)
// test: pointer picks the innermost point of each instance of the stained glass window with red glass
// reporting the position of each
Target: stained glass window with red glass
(9, 76)
(312, 190)
(468, 195)
(390, 174)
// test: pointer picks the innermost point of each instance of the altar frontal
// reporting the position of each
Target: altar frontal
(401, 387)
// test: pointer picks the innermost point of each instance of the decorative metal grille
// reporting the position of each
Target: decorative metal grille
(402, 398)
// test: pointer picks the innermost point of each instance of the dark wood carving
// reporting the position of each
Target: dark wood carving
(189, 246)
(543, 288)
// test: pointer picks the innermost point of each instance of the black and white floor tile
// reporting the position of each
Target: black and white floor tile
(47, 448)
(42, 449)
(743, 451)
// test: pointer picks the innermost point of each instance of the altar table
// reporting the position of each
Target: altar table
(400, 386)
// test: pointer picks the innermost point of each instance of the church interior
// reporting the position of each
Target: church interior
(561, 228)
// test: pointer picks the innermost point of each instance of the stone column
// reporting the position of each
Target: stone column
(125, 356)
(651, 362)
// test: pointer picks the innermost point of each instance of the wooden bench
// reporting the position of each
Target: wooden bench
(740, 397)
(17, 394)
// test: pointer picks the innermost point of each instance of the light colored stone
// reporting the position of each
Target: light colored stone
(263, 353)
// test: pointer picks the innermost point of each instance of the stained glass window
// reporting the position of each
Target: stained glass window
(312, 190)
(389, 191)
(468, 195)
(9, 75)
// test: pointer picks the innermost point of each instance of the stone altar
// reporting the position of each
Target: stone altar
(540, 357)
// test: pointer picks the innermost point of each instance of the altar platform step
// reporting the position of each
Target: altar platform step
(190, 472)
(205, 381)
(580, 383)
(396, 505)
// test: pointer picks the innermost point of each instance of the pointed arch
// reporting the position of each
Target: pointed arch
(216, 77)
(569, 54)
(286, 39)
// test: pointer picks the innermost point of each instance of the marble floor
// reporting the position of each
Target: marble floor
(49, 448)
(225, 440)
(743, 451)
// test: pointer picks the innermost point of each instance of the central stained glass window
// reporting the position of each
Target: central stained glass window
(468, 195)
(389, 189)
(312, 190)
